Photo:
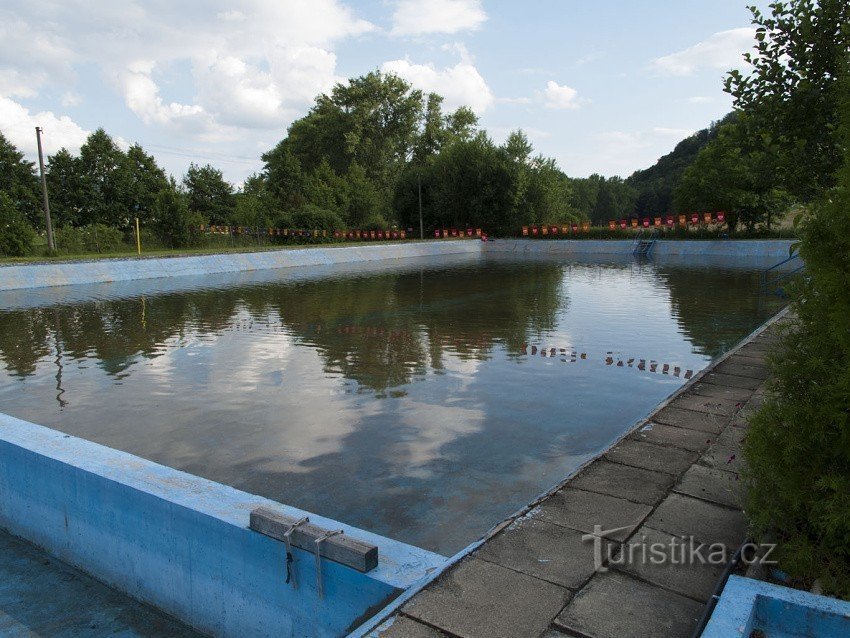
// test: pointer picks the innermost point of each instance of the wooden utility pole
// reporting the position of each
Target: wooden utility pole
(419, 184)
(50, 244)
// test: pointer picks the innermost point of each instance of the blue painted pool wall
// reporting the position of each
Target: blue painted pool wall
(771, 249)
(108, 270)
(15, 277)
(747, 605)
(182, 543)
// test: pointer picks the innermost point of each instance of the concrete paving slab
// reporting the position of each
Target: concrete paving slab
(659, 458)
(708, 405)
(550, 552)
(677, 573)
(691, 420)
(41, 596)
(706, 522)
(722, 392)
(477, 599)
(753, 349)
(630, 483)
(615, 605)
(731, 380)
(725, 453)
(751, 359)
(404, 627)
(581, 510)
(713, 485)
(742, 370)
(670, 435)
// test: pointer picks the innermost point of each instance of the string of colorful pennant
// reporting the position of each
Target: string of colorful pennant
(299, 233)
(692, 219)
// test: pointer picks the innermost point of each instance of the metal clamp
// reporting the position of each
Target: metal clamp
(319, 542)
(287, 539)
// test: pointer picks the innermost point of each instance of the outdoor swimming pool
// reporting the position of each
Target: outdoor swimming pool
(422, 399)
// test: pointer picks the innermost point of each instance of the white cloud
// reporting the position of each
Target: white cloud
(722, 50)
(557, 96)
(699, 99)
(418, 17)
(460, 85)
(19, 127)
(141, 95)
(253, 65)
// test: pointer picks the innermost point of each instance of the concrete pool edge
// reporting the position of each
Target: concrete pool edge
(44, 275)
(181, 543)
(383, 620)
(747, 606)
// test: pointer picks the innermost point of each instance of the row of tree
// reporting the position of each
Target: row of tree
(375, 149)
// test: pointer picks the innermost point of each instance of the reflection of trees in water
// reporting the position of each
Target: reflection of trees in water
(423, 315)
(715, 307)
(380, 330)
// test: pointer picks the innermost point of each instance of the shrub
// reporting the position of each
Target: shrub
(16, 235)
(312, 217)
(798, 445)
(94, 238)
(174, 223)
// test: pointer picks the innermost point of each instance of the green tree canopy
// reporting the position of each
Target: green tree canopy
(210, 195)
(19, 182)
(791, 94)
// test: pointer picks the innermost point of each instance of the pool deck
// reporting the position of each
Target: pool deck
(42, 596)
(674, 475)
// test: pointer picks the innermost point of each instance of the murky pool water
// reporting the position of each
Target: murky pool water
(424, 400)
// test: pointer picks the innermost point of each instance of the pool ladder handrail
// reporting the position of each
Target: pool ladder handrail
(643, 246)
(766, 282)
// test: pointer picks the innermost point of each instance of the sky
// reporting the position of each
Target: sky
(603, 87)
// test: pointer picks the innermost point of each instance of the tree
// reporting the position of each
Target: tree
(372, 119)
(727, 176)
(326, 190)
(19, 182)
(67, 189)
(365, 202)
(798, 445)
(283, 178)
(210, 195)
(654, 186)
(146, 180)
(16, 235)
(792, 94)
(105, 181)
(173, 220)
(462, 125)
(518, 147)
(434, 133)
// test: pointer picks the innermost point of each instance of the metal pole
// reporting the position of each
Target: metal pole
(50, 244)
(419, 182)
(138, 239)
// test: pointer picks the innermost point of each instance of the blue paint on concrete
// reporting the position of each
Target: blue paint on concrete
(19, 276)
(27, 276)
(42, 596)
(770, 249)
(181, 543)
(748, 605)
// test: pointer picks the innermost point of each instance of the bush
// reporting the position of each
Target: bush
(312, 217)
(94, 238)
(174, 224)
(16, 235)
(798, 445)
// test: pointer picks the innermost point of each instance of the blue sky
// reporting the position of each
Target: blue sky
(604, 87)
